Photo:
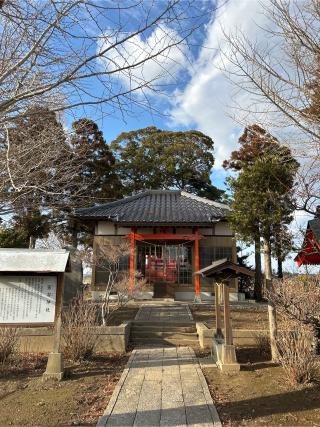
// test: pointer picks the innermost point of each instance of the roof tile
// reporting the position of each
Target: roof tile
(158, 207)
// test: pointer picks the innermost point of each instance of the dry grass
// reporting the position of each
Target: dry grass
(297, 354)
(8, 341)
(262, 343)
(78, 329)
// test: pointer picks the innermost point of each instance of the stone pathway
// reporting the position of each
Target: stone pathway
(161, 386)
(164, 313)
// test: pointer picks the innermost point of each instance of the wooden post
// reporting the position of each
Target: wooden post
(197, 264)
(132, 248)
(271, 307)
(55, 365)
(227, 321)
(218, 311)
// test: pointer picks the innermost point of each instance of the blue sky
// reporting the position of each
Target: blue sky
(197, 93)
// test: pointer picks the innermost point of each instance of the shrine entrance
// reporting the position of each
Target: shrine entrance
(165, 265)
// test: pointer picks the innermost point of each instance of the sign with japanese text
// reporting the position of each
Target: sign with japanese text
(27, 299)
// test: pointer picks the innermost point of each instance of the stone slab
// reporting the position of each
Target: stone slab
(161, 386)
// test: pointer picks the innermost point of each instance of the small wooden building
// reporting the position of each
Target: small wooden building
(173, 234)
(310, 251)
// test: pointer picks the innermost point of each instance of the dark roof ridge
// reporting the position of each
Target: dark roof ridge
(158, 206)
(115, 202)
(128, 199)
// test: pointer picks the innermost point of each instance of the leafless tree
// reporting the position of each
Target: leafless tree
(72, 53)
(110, 259)
(281, 74)
(77, 54)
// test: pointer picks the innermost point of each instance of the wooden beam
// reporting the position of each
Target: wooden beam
(227, 321)
(132, 249)
(197, 264)
(218, 311)
(166, 236)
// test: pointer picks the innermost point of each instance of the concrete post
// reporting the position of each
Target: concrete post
(55, 365)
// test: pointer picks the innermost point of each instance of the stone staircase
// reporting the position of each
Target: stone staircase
(180, 333)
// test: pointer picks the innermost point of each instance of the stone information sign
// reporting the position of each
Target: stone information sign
(27, 299)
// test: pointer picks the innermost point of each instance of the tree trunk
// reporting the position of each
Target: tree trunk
(280, 272)
(258, 275)
(32, 242)
(271, 307)
(74, 235)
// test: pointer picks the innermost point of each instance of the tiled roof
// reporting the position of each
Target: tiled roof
(314, 224)
(158, 207)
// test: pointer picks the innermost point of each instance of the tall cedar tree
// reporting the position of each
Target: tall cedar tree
(254, 143)
(98, 175)
(152, 158)
(98, 168)
(38, 124)
(263, 198)
(263, 195)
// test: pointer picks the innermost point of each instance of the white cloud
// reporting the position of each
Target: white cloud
(206, 100)
(148, 59)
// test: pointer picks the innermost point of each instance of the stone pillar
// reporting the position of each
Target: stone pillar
(55, 365)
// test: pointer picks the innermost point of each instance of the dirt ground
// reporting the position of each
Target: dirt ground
(80, 399)
(241, 318)
(259, 396)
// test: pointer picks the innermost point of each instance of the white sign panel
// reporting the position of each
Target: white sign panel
(27, 299)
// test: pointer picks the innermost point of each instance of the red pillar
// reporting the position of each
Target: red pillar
(197, 264)
(132, 248)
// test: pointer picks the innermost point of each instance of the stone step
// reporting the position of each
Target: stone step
(163, 323)
(162, 328)
(164, 341)
(167, 334)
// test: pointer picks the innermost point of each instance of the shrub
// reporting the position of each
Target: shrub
(78, 329)
(8, 341)
(297, 354)
(263, 343)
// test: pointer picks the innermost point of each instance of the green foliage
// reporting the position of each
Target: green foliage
(97, 178)
(13, 238)
(33, 224)
(151, 158)
(39, 129)
(98, 173)
(263, 196)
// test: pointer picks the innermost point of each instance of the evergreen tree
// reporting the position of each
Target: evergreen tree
(97, 177)
(152, 158)
(255, 143)
(13, 237)
(98, 173)
(263, 198)
(36, 127)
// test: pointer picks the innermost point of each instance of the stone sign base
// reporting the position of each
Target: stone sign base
(225, 356)
(55, 367)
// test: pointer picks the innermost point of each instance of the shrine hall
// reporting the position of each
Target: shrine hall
(173, 234)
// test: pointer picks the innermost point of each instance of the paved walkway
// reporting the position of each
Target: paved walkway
(161, 386)
(162, 313)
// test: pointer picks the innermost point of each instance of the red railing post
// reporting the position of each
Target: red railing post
(132, 249)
